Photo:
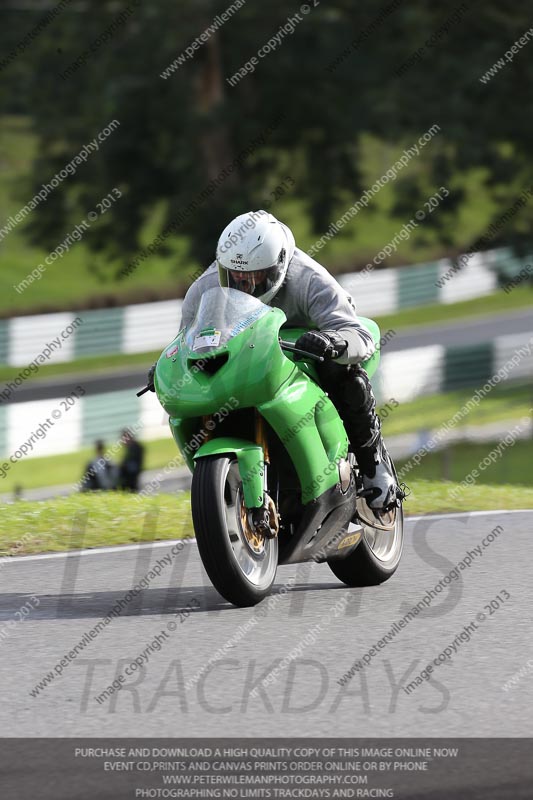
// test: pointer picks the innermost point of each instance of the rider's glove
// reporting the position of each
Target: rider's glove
(151, 374)
(328, 344)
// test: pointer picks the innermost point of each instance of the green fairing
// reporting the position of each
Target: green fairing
(257, 374)
(311, 430)
(255, 370)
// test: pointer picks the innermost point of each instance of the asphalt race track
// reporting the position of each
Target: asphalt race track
(325, 624)
(458, 333)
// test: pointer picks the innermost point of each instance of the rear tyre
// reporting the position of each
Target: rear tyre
(241, 566)
(378, 555)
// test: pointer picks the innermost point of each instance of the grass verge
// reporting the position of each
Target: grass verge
(496, 303)
(455, 463)
(433, 497)
(84, 521)
(92, 520)
(504, 402)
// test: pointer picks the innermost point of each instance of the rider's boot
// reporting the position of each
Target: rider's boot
(364, 431)
(379, 483)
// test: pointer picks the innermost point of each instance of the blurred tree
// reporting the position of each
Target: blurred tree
(178, 134)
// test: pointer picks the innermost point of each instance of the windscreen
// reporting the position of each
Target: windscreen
(221, 315)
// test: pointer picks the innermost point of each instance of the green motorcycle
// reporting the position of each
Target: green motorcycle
(274, 480)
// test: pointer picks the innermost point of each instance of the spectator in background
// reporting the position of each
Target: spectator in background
(101, 473)
(132, 463)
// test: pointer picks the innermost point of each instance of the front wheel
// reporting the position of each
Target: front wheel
(377, 556)
(240, 563)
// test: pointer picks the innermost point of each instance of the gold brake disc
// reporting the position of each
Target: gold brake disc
(255, 540)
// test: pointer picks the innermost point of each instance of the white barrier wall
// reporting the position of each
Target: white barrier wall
(403, 375)
(373, 293)
(150, 326)
(408, 374)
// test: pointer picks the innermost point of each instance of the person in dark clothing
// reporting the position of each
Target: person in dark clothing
(100, 473)
(132, 463)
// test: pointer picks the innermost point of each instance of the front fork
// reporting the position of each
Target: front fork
(262, 441)
(261, 519)
(264, 520)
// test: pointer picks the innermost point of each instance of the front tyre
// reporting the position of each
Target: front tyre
(241, 565)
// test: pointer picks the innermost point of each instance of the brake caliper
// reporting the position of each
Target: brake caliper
(265, 520)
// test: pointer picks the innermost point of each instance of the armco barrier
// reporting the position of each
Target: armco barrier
(403, 375)
(150, 326)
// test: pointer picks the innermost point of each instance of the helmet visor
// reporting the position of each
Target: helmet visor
(256, 283)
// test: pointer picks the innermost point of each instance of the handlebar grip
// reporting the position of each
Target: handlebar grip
(143, 391)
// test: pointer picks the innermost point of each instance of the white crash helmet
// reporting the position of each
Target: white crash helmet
(253, 254)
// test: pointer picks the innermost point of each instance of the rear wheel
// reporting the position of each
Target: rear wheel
(241, 564)
(377, 556)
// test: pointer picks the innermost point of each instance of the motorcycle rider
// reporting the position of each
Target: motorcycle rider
(256, 254)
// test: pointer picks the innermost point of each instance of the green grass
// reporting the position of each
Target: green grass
(33, 473)
(72, 280)
(512, 468)
(496, 303)
(434, 496)
(92, 520)
(428, 413)
(99, 519)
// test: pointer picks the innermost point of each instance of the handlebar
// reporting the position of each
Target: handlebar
(289, 346)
